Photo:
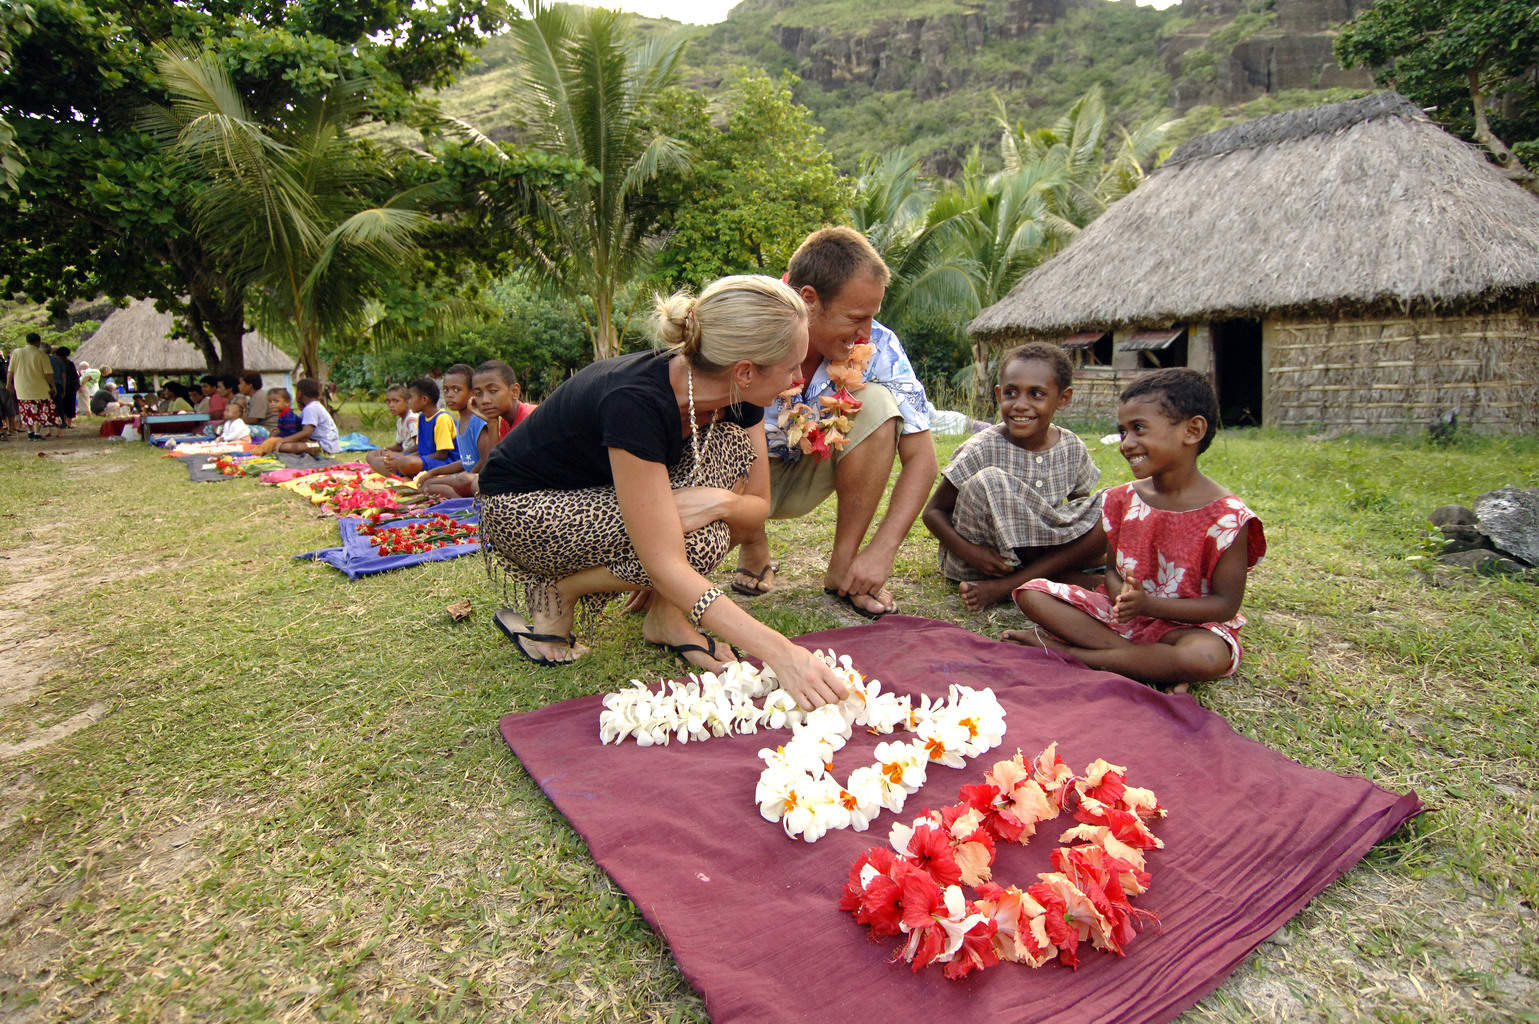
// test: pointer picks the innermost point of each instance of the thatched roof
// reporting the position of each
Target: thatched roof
(1351, 206)
(138, 338)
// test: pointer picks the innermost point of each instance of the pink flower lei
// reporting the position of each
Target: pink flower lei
(914, 887)
(825, 430)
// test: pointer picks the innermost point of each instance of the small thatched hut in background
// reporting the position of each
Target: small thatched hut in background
(137, 340)
(1350, 266)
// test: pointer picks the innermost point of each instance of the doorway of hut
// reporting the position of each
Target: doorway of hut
(1238, 371)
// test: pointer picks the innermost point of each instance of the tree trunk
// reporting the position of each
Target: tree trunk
(606, 342)
(215, 311)
(1510, 165)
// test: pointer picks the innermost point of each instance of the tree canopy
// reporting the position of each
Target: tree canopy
(759, 182)
(97, 208)
(1472, 62)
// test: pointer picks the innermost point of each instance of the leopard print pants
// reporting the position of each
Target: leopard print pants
(539, 537)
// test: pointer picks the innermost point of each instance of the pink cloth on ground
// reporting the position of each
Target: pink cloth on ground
(1170, 554)
(282, 476)
(752, 917)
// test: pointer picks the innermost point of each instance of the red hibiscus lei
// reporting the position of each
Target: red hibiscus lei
(1086, 898)
(821, 431)
(437, 531)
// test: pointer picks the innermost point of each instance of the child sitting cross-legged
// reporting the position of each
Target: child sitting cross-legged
(494, 395)
(1180, 548)
(317, 430)
(435, 433)
(396, 400)
(1017, 500)
(471, 441)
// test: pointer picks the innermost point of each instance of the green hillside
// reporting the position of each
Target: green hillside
(928, 74)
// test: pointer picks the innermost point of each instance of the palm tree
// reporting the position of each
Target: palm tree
(915, 228)
(588, 87)
(298, 209)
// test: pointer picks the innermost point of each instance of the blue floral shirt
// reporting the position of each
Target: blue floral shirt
(889, 367)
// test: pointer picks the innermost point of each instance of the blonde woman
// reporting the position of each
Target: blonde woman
(642, 471)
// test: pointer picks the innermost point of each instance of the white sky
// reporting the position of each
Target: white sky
(708, 12)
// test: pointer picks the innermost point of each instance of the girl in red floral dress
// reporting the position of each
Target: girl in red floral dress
(1179, 548)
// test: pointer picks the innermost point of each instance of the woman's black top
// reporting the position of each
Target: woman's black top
(625, 402)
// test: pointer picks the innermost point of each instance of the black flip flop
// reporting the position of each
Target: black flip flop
(757, 589)
(680, 650)
(857, 609)
(517, 630)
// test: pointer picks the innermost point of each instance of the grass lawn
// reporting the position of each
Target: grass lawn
(235, 786)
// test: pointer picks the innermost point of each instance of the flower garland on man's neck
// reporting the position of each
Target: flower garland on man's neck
(914, 887)
(823, 431)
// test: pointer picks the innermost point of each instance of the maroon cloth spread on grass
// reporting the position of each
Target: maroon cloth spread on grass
(752, 917)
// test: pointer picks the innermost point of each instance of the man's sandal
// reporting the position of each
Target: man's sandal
(757, 588)
(518, 630)
(849, 599)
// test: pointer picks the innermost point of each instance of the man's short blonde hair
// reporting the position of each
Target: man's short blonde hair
(830, 257)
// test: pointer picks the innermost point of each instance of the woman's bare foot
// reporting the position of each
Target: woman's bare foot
(666, 626)
(980, 594)
(558, 622)
(1036, 638)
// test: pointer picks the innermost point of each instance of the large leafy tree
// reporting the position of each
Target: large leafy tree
(1472, 61)
(589, 86)
(98, 207)
(296, 211)
(759, 181)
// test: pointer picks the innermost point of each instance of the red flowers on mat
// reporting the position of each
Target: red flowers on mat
(437, 531)
(914, 888)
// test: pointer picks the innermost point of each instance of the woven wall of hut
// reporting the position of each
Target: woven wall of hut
(1095, 393)
(1397, 374)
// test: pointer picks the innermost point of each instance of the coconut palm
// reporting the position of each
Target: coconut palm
(588, 88)
(914, 226)
(300, 211)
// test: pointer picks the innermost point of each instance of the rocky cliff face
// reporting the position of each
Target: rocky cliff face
(928, 55)
(924, 55)
(1293, 52)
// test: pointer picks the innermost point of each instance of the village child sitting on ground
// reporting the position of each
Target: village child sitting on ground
(494, 395)
(1180, 546)
(235, 429)
(1017, 500)
(397, 401)
(317, 430)
(435, 433)
(472, 442)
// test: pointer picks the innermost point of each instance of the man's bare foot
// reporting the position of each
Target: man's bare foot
(638, 601)
(1035, 638)
(754, 582)
(667, 627)
(980, 594)
(881, 604)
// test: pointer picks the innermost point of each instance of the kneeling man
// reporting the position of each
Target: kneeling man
(842, 279)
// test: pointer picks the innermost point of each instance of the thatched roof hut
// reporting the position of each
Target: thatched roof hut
(139, 338)
(1357, 225)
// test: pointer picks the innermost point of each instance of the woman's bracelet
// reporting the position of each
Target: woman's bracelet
(705, 600)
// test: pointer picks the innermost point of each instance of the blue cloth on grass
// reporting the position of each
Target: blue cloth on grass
(356, 442)
(356, 557)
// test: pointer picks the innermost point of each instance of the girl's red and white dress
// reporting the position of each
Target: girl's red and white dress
(1171, 554)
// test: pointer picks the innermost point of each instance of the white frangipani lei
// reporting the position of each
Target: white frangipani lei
(795, 787)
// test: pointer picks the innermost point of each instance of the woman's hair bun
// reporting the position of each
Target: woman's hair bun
(677, 324)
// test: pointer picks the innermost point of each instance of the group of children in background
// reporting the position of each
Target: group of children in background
(443, 449)
(1144, 579)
